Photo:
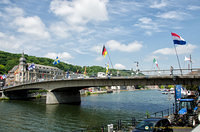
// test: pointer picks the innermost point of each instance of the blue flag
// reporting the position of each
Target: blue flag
(4, 76)
(178, 92)
(56, 61)
(31, 67)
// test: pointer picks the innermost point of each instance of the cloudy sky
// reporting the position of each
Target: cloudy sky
(76, 30)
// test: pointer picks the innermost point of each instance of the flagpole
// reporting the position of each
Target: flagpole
(110, 59)
(178, 60)
(191, 61)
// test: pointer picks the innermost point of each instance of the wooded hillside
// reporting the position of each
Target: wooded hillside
(9, 60)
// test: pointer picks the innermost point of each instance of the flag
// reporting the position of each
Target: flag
(155, 61)
(104, 51)
(56, 61)
(178, 92)
(187, 59)
(85, 72)
(31, 67)
(178, 39)
(17, 71)
(4, 76)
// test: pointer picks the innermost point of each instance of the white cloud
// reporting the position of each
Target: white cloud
(79, 51)
(2, 35)
(149, 33)
(14, 11)
(114, 45)
(122, 8)
(65, 56)
(99, 58)
(193, 7)
(5, 2)
(181, 49)
(173, 15)
(158, 5)
(119, 66)
(145, 20)
(32, 26)
(97, 49)
(80, 12)
(9, 42)
(59, 29)
(148, 24)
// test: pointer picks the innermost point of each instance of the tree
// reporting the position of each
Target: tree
(11, 63)
(2, 69)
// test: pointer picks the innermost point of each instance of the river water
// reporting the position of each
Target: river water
(94, 112)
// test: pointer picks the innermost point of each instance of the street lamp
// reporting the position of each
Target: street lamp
(1, 85)
(137, 69)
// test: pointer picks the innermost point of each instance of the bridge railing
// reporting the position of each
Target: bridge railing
(176, 72)
(194, 71)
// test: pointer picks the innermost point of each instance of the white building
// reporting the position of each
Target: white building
(20, 74)
(101, 74)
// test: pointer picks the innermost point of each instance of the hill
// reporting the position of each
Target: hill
(9, 60)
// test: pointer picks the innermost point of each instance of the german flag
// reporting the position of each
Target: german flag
(104, 51)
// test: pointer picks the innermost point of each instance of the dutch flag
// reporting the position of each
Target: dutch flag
(177, 39)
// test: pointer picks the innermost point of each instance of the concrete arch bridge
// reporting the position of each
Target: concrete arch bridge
(67, 90)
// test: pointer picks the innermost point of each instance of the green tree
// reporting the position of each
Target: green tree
(2, 69)
(9, 60)
(11, 63)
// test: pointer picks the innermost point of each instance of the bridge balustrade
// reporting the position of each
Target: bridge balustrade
(176, 72)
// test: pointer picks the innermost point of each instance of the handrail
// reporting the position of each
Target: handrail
(164, 112)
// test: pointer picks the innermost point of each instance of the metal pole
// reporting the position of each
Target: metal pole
(137, 69)
(110, 60)
(133, 121)
(175, 100)
(178, 59)
(191, 61)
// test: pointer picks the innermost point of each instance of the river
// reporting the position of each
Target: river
(94, 112)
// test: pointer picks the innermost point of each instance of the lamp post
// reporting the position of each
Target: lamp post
(1, 85)
(137, 69)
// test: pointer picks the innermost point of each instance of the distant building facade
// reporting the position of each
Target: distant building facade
(101, 74)
(20, 74)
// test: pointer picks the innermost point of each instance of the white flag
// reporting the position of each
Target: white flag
(187, 59)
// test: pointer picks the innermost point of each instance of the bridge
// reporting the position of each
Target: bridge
(67, 90)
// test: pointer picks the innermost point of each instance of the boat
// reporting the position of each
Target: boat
(109, 91)
(165, 92)
(172, 91)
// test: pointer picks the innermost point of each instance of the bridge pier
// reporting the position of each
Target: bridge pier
(63, 97)
(2, 95)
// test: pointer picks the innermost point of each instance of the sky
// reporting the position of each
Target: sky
(76, 30)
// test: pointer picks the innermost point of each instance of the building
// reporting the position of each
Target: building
(101, 74)
(21, 74)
